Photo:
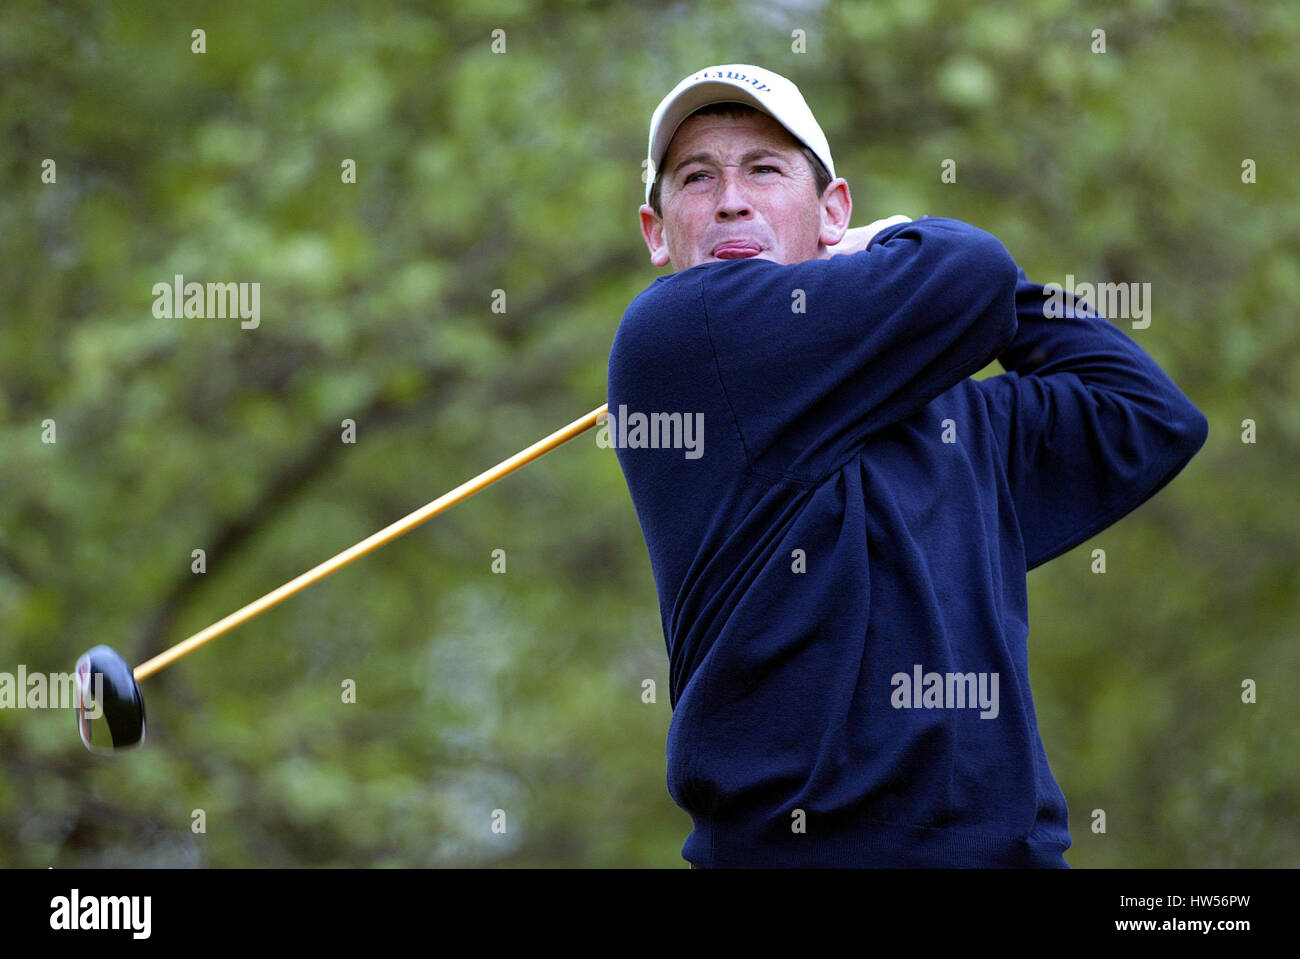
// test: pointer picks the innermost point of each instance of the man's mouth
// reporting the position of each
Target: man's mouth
(736, 249)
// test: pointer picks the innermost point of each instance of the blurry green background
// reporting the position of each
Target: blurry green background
(521, 171)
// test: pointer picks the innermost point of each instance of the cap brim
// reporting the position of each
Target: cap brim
(690, 100)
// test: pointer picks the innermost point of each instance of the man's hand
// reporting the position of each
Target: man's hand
(858, 238)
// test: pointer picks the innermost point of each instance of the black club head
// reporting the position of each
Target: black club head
(110, 706)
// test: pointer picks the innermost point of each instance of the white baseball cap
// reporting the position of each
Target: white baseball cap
(736, 82)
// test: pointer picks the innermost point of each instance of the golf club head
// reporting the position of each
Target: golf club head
(110, 706)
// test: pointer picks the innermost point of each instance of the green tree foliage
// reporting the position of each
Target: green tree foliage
(518, 171)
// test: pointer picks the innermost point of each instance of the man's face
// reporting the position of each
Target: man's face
(736, 187)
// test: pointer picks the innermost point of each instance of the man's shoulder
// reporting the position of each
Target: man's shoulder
(651, 301)
(669, 295)
(670, 284)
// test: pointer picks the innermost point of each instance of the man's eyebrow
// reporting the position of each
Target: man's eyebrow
(708, 157)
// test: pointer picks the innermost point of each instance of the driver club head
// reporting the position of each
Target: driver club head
(110, 706)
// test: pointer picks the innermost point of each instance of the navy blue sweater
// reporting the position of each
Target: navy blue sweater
(839, 523)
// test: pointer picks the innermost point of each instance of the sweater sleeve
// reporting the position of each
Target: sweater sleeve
(1089, 427)
(814, 357)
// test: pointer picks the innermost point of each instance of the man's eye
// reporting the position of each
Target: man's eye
(690, 178)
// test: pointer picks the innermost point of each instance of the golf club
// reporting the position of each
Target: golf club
(118, 721)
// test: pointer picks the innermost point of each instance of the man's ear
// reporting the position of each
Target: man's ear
(652, 228)
(836, 210)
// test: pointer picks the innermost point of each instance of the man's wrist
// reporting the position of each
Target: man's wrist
(857, 239)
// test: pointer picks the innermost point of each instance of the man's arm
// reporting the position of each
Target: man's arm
(815, 357)
(1088, 425)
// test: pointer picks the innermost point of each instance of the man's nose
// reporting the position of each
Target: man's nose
(734, 200)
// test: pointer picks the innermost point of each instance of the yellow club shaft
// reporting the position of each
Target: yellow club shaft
(385, 535)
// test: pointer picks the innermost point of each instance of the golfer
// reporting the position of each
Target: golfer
(840, 556)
